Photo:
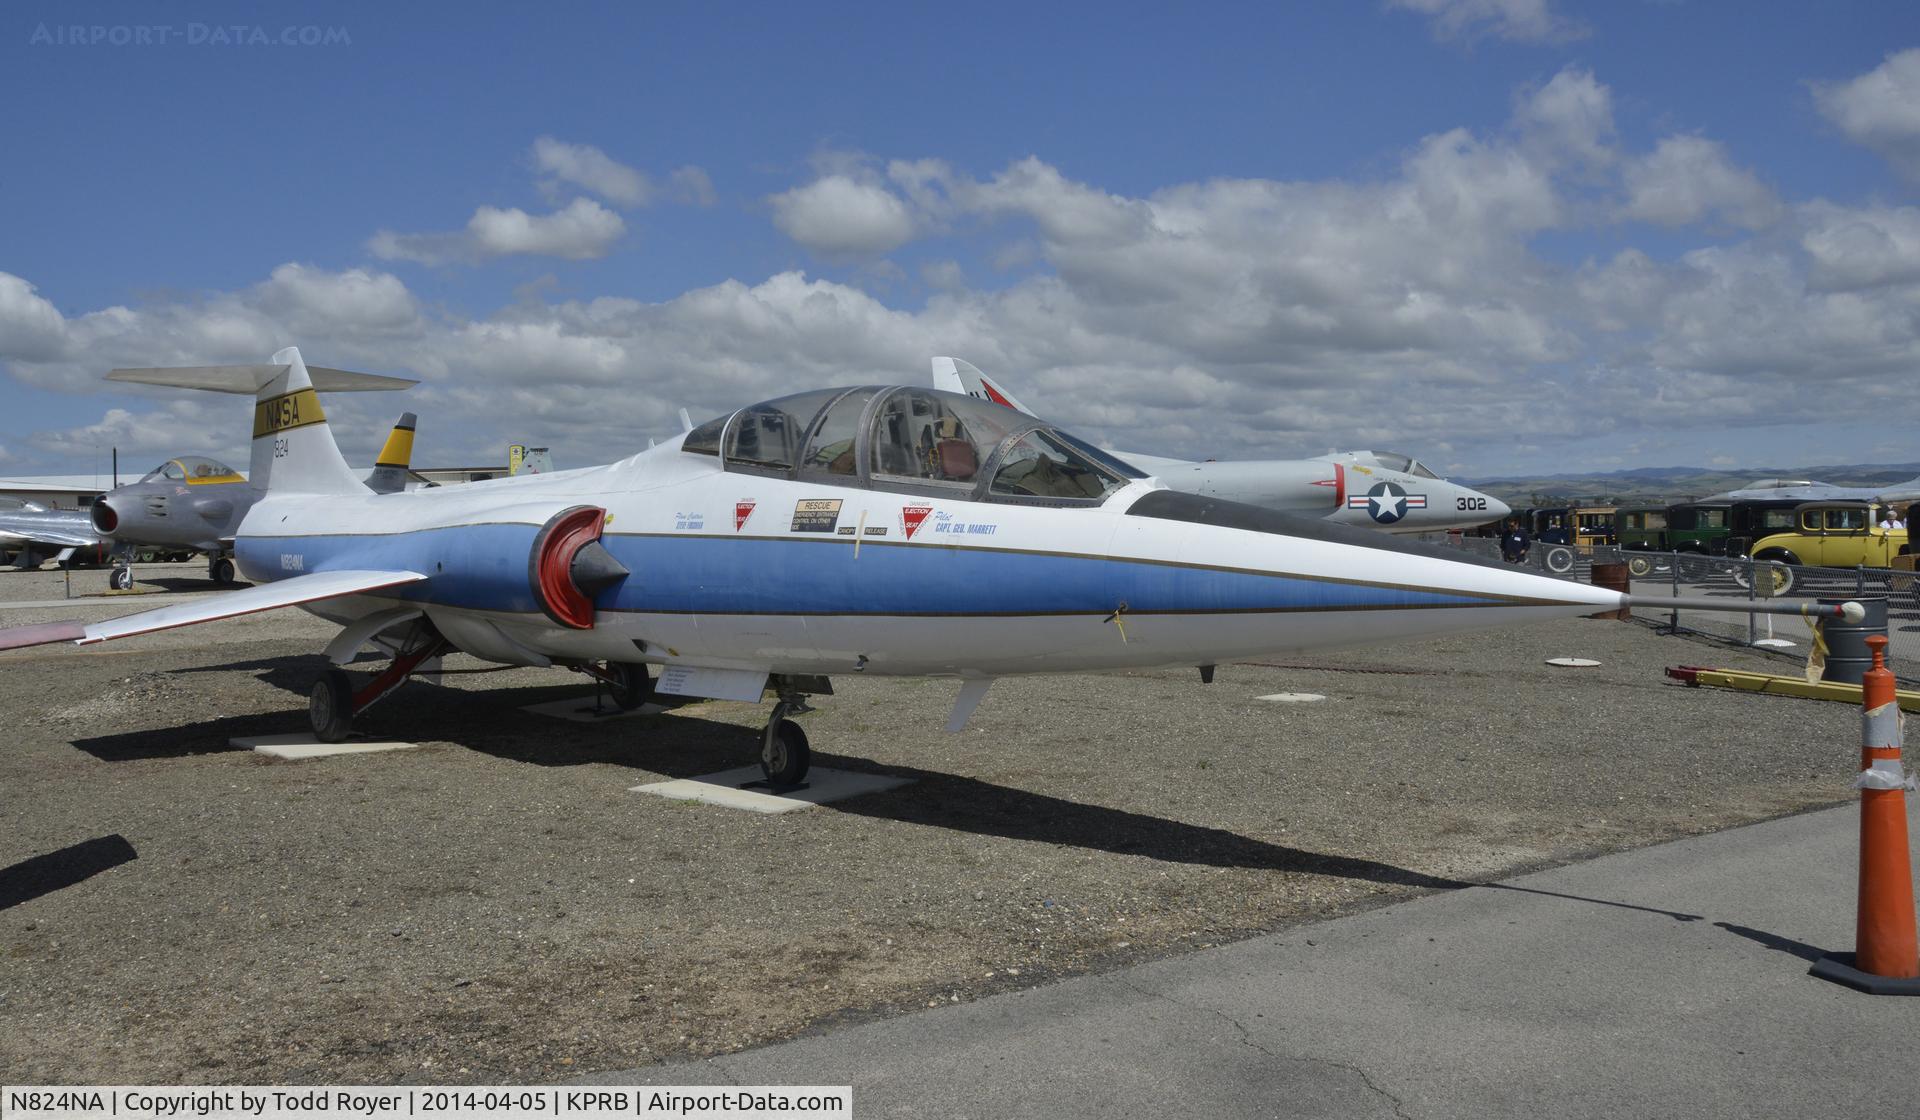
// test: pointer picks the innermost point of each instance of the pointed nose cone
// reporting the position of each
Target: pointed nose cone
(1309, 583)
(1498, 510)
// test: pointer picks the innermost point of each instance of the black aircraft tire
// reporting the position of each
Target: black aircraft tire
(785, 755)
(221, 571)
(330, 706)
(634, 686)
(120, 579)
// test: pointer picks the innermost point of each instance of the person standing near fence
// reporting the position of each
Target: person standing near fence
(1514, 543)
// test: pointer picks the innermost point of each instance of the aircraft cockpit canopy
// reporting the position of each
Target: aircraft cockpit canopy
(903, 438)
(1405, 464)
(191, 469)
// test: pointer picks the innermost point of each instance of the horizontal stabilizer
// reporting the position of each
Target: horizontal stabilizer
(249, 600)
(248, 380)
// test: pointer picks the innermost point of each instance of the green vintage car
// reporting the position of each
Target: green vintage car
(1726, 528)
(1640, 529)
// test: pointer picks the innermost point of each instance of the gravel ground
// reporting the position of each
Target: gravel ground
(498, 906)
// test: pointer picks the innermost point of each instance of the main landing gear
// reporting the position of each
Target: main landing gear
(335, 700)
(121, 578)
(628, 684)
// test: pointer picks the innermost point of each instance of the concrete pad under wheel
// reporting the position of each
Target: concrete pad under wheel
(822, 785)
(580, 709)
(296, 747)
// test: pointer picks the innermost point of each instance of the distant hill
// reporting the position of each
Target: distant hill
(1673, 484)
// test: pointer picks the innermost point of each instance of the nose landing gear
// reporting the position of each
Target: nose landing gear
(784, 753)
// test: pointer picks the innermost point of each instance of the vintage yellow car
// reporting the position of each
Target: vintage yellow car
(1836, 535)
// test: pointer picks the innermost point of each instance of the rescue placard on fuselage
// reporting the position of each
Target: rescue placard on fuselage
(816, 515)
(289, 410)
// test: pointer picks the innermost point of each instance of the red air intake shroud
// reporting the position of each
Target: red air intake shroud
(550, 569)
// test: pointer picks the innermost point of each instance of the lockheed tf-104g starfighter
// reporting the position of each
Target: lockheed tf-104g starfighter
(882, 530)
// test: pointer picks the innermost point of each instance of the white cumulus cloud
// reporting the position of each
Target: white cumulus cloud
(581, 230)
(1521, 21)
(1688, 179)
(31, 328)
(313, 301)
(588, 167)
(1880, 109)
(840, 214)
(1861, 249)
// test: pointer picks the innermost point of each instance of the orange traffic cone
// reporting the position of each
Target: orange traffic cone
(1886, 957)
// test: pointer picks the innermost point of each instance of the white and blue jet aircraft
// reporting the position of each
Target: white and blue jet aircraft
(1374, 490)
(882, 530)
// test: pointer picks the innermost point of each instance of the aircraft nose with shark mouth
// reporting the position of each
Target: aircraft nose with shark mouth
(892, 530)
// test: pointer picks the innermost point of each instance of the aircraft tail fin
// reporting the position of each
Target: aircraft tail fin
(391, 468)
(957, 376)
(293, 449)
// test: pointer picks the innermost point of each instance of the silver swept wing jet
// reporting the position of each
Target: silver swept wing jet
(1374, 490)
(189, 502)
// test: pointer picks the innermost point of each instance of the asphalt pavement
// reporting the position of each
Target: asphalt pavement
(1666, 982)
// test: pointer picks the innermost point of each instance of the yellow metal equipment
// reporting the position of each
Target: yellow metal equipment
(1694, 676)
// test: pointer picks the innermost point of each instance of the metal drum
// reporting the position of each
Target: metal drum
(1613, 577)
(1848, 658)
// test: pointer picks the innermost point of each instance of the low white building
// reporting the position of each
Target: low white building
(60, 491)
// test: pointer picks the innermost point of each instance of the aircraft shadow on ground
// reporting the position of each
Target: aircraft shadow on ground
(184, 583)
(54, 871)
(204, 737)
(685, 745)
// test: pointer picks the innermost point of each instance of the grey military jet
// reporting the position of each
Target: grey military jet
(31, 534)
(1807, 490)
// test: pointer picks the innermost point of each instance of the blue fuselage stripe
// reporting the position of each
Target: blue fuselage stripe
(485, 567)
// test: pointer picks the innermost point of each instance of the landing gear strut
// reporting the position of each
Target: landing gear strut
(784, 753)
(627, 683)
(334, 701)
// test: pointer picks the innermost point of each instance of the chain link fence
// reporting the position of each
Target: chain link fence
(1688, 574)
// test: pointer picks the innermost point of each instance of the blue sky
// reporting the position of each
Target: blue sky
(1504, 235)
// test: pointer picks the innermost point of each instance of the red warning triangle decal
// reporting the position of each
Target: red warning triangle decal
(911, 517)
(741, 511)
